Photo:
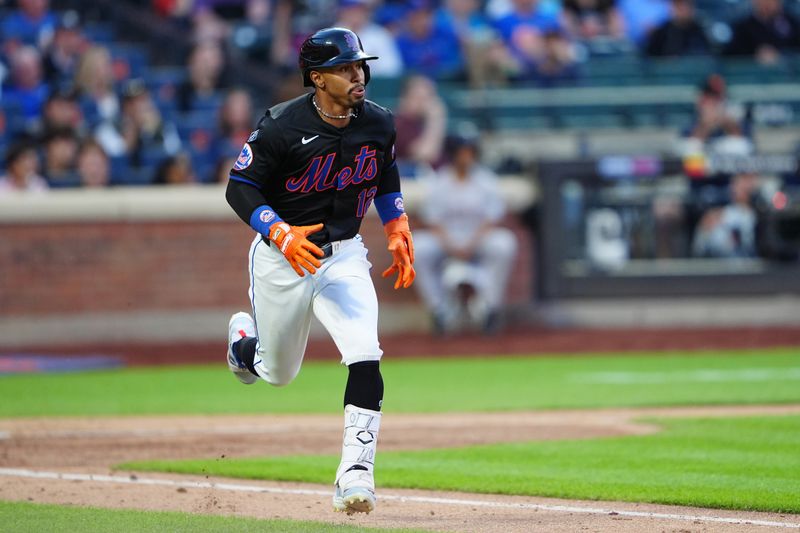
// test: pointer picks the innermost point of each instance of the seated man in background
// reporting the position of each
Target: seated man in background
(464, 257)
(730, 230)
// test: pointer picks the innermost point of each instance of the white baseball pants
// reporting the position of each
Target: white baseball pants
(341, 295)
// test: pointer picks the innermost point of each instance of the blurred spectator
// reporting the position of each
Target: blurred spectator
(523, 31)
(254, 34)
(766, 33)
(95, 82)
(173, 8)
(27, 91)
(281, 51)
(94, 168)
(391, 14)
(60, 154)
(206, 67)
(61, 110)
(63, 55)
(175, 170)
(487, 59)
(377, 40)
(720, 130)
(22, 169)
(558, 63)
(641, 17)
(141, 133)
(208, 25)
(235, 121)
(464, 259)
(421, 121)
(682, 35)
(715, 119)
(589, 19)
(427, 48)
(31, 23)
(730, 231)
(500, 8)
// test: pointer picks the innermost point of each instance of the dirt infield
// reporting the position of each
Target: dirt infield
(69, 460)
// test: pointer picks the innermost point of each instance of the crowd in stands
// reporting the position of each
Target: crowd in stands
(94, 113)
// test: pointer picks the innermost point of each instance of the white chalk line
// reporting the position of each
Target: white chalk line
(25, 473)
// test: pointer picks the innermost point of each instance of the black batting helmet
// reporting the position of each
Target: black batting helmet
(330, 47)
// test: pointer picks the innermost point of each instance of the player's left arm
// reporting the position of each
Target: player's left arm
(389, 204)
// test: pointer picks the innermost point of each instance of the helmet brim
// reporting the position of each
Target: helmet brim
(339, 60)
(346, 58)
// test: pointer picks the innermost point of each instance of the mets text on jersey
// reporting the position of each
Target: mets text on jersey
(317, 175)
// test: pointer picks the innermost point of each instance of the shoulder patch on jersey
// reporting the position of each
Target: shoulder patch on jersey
(245, 158)
(253, 136)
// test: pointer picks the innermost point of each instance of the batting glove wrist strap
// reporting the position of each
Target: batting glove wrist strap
(263, 218)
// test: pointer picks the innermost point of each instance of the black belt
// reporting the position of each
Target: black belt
(327, 249)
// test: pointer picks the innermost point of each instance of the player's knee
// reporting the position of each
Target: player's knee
(279, 379)
(277, 376)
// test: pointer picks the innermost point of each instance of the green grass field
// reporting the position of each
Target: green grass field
(736, 463)
(27, 517)
(490, 383)
(727, 463)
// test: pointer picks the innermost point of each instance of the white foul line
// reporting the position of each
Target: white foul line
(21, 472)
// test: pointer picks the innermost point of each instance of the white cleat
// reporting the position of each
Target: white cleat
(241, 325)
(354, 500)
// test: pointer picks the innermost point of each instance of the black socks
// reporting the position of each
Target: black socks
(364, 386)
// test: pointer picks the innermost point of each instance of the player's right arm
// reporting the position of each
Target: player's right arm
(259, 159)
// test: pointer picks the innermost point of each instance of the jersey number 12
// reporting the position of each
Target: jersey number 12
(365, 198)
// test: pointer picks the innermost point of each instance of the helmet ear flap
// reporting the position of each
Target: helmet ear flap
(366, 73)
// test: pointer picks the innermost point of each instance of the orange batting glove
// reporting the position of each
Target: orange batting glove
(402, 247)
(292, 242)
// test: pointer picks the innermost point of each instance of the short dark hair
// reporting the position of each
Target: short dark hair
(17, 150)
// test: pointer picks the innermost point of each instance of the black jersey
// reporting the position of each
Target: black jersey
(310, 171)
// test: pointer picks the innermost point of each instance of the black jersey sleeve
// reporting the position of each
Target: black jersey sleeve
(262, 155)
(244, 198)
(390, 176)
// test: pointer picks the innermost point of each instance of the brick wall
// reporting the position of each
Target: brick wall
(81, 267)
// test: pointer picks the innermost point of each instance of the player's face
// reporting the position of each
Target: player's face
(345, 83)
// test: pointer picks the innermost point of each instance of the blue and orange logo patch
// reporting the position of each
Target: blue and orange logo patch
(245, 158)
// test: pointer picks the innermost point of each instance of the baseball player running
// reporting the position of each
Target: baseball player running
(303, 181)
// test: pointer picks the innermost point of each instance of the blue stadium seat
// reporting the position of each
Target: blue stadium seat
(98, 32)
(679, 71)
